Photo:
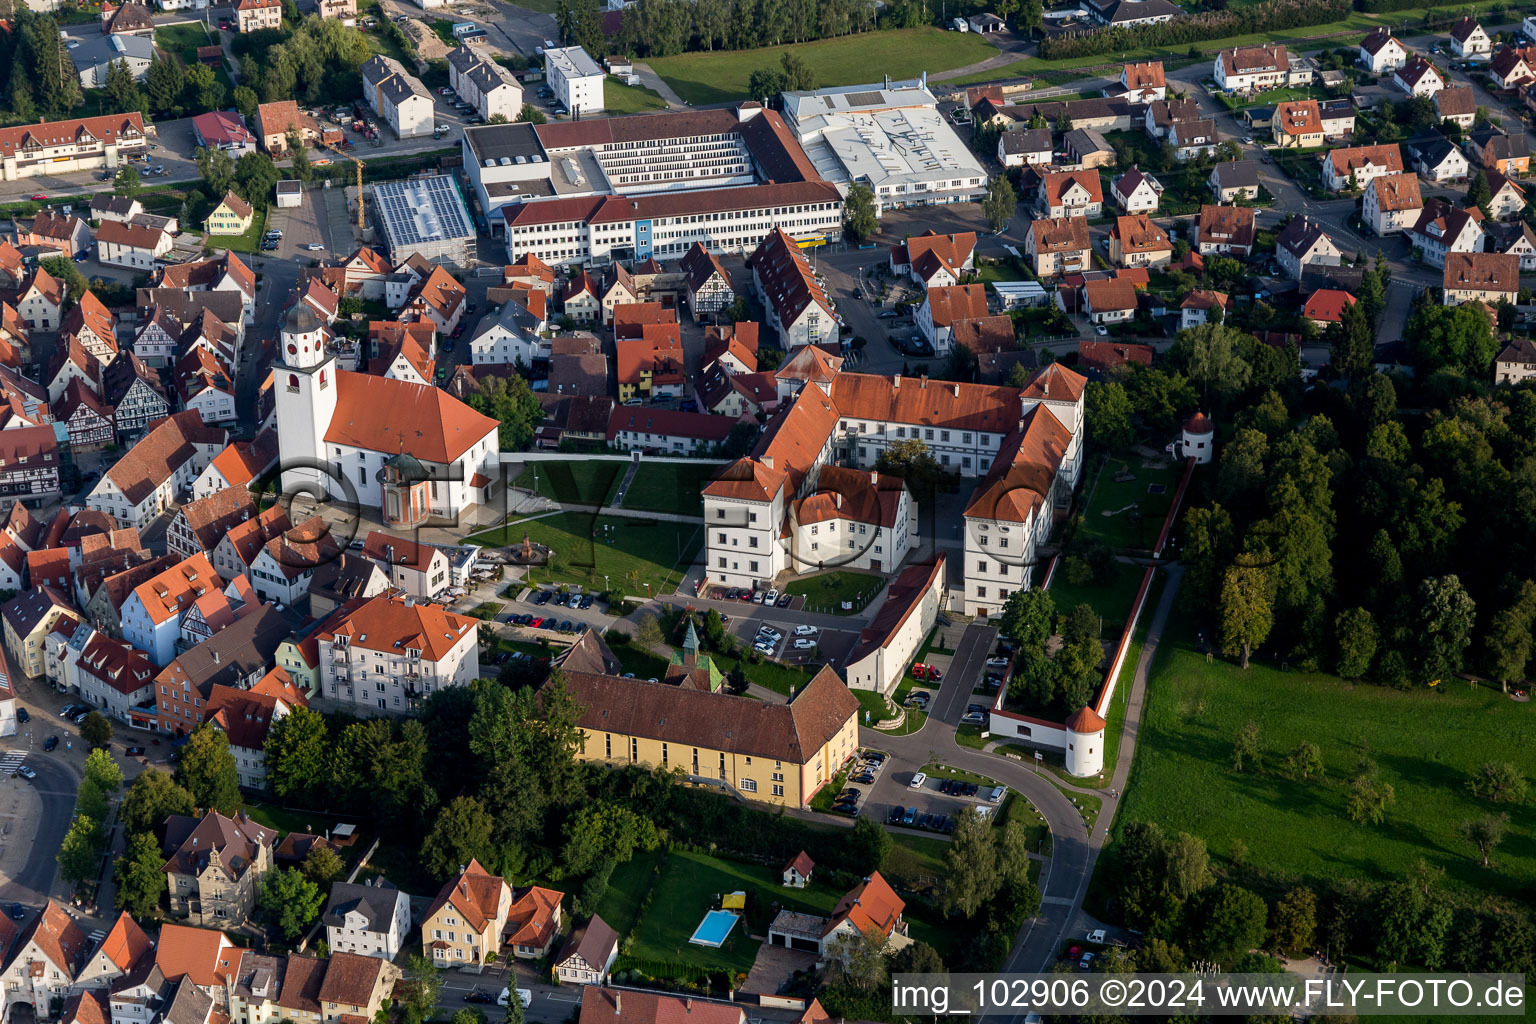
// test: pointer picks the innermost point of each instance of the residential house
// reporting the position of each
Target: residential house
(1495, 150)
(156, 471)
(152, 614)
(29, 462)
(871, 905)
(214, 867)
(1160, 117)
(38, 299)
(28, 618)
(56, 233)
(231, 216)
(941, 307)
(1438, 159)
(1513, 237)
(1380, 52)
(1443, 229)
(241, 465)
(709, 286)
(798, 308)
(106, 207)
(368, 918)
(1226, 230)
(534, 921)
(1457, 103)
(255, 15)
(1298, 124)
(1025, 147)
(637, 1006)
(225, 130)
(80, 144)
(392, 650)
(650, 366)
(1069, 194)
(416, 569)
(1192, 140)
(484, 84)
(1131, 13)
(1469, 40)
(399, 99)
(1196, 307)
(1138, 242)
(733, 346)
(588, 954)
(1232, 180)
(347, 577)
(355, 987)
(1108, 301)
(1303, 243)
(513, 335)
(1355, 166)
(86, 416)
(1485, 277)
(135, 245)
(1058, 246)
(1508, 199)
(1512, 65)
(92, 326)
(1338, 117)
(45, 960)
(124, 950)
(935, 260)
(111, 675)
(1516, 364)
(666, 431)
(464, 924)
(72, 362)
(1326, 306)
(275, 120)
(1392, 203)
(1419, 77)
(1136, 192)
(579, 300)
(1143, 81)
(1248, 69)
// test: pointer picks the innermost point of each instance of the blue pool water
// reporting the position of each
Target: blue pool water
(717, 924)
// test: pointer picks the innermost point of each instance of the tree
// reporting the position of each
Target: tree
(1295, 921)
(1247, 612)
(869, 845)
(765, 85)
(1029, 16)
(798, 75)
(96, 729)
(323, 866)
(600, 830)
(1354, 342)
(512, 402)
(531, 114)
(859, 211)
(140, 875)
(1369, 794)
(1305, 762)
(246, 101)
(152, 797)
(1109, 408)
(203, 89)
(1478, 192)
(296, 146)
(255, 178)
(1246, 748)
(857, 960)
(1447, 612)
(648, 632)
(740, 441)
(1354, 634)
(1215, 361)
(217, 170)
(1485, 833)
(1063, 123)
(1507, 640)
(461, 833)
(91, 801)
(1498, 781)
(1186, 866)
(298, 752)
(1000, 202)
(120, 86)
(80, 854)
(206, 769)
(290, 901)
(1027, 617)
(423, 994)
(917, 957)
(1229, 922)
(126, 183)
(1454, 336)
(911, 461)
(970, 866)
(102, 771)
(163, 82)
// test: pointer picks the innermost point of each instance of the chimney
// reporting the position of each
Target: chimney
(874, 477)
(896, 382)
(924, 380)
(837, 498)
(688, 1005)
(956, 389)
(618, 1005)
(766, 460)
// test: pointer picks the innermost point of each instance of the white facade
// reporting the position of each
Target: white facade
(575, 78)
(358, 932)
(880, 665)
(400, 100)
(369, 672)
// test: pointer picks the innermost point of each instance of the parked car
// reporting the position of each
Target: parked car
(783, 601)
(894, 818)
(50, 742)
(804, 630)
(70, 710)
(732, 594)
(315, 247)
(23, 715)
(909, 816)
(1085, 962)
(772, 596)
(475, 995)
(934, 673)
(917, 781)
(973, 718)
(16, 910)
(804, 645)
(919, 671)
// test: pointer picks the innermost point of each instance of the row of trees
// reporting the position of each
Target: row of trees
(42, 81)
(86, 841)
(1164, 885)
(1275, 16)
(660, 28)
(317, 62)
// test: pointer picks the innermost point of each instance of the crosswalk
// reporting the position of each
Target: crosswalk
(11, 760)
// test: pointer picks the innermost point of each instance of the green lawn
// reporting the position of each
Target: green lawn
(673, 487)
(183, 40)
(1274, 96)
(627, 886)
(717, 77)
(643, 664)
(770, 674)
(604, 551)
(828, 591)
(576, 482)
(1424, 742)
(488, 610)
(1126, 514)
(692, 883)
(250, 241)
(619, 98)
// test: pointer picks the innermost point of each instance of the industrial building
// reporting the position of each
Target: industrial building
(425, 217)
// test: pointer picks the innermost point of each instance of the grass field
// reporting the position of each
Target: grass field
(1424, 741)
(720, 76)
(183, 40)
(691, 884)
(585, 548)
(1357, 22)
(577, 482)
(828, 591)
(249, 241)
(627, 886)
(1111, 515)
(619, 98)
(670, 487)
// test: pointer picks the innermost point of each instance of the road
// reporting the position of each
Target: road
(55, 784)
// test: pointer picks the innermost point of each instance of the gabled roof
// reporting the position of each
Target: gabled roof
(870, 904)
(205, 956)
(1299, 117)
(1143, 75)
(1463, 29)
(1394, 192)
(382, 414)
(902, 598)
(1232, 225)
(167, 445)
(1327, 304)
(812, 363)
(234, 842)
(699, 265)
(1059, 234)
(1456, 101)
(391, 623)
(58, 937)
(1110, 294)
(1301, 235)
(1346, 160)
(636, 1006)
(1377, 40)
(788, 282)
(532, 920)
(475, 894)
(1482, 271)
(1416, 70)
(1138, 233)
(351, 978)
(1053, 184)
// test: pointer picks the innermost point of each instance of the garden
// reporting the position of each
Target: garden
(574, 482)
(828, 592)
(672, 487)
(604, 552)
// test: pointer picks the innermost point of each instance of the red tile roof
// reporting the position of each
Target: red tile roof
(788, 282)
(870, 904)
(1327, 304)
(386, 415)
(391, 623)
(531, 921)
(475, 893)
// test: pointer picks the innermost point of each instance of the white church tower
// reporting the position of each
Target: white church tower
(305, 385)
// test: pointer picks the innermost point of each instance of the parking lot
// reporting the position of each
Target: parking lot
(795, 643)
(932, 804)
(302, 226)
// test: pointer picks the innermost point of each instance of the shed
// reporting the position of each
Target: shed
(798, 871)
(290, 193)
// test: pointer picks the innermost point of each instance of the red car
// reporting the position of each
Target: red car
(919, 671)
(934, 673)
(536, 623)
(39, 198)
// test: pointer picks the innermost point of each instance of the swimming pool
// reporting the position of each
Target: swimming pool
(712, 931)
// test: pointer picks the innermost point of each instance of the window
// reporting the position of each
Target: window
(778, 790)
(748, 785)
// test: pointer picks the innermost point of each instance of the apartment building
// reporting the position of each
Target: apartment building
(464, 924)
(393, 650)
(399, 99)
(215, 867)
(80, 144)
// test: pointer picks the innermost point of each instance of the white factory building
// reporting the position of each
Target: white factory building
(892, 137)
(426, 217)
(575, 78)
